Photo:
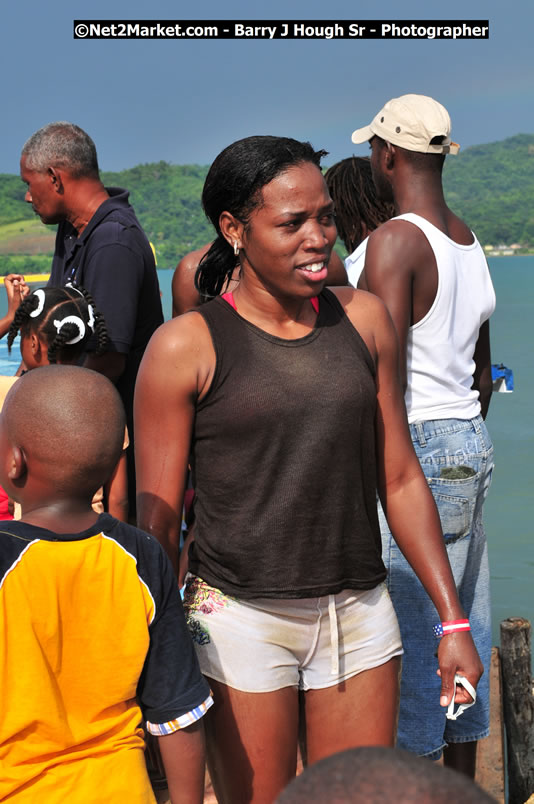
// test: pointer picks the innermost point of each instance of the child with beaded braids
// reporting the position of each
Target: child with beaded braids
(55, 326)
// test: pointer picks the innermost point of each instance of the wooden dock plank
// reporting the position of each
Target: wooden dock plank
(490, 754)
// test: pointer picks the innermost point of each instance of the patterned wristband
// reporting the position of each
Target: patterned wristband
(442, 629)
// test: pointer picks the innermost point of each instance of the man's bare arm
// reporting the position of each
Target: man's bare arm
(185, 296)
(388, 274)
(337, 274)
(482, 381)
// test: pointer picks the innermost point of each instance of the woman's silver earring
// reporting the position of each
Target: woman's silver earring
(236, 248)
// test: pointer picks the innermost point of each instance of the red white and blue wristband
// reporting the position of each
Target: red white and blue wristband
(442, 629)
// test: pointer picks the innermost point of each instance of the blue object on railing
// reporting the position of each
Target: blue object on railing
(503, 378)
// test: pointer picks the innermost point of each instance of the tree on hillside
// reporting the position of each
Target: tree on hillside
(490, 186)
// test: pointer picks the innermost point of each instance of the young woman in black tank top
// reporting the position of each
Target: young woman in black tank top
(280, 401)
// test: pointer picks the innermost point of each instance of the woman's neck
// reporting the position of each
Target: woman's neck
(283, 316)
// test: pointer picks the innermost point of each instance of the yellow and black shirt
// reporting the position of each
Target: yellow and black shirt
(92, 639)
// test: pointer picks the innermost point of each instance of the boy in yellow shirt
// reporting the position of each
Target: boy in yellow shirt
(93, 634)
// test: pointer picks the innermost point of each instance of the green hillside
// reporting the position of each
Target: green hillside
(490, 186)
(166, 199)
(26, 237)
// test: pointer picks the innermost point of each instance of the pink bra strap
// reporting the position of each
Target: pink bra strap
(229, 297)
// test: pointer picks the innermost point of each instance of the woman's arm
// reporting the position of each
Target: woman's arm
(406, 497)
(116, 490)
(176, 369)
(413, 517)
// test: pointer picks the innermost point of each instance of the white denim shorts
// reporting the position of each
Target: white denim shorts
(263, 645)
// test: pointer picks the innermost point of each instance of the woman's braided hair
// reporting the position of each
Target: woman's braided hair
(59, 316)
(350, 183)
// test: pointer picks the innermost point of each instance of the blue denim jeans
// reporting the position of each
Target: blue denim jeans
(457, 458)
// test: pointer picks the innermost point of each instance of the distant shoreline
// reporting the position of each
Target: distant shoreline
(33, 278)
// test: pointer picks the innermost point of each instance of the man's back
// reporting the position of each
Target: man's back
(99, 246)
(450, 297)
(113, 260)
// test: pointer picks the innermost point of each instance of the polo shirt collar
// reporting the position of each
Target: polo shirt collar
(118, 198)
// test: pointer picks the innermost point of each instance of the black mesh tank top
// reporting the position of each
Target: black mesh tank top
(284, 460)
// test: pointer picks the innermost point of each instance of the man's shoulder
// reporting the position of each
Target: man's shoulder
(120, 238)
(396, 230)
(398, 254)
(411, 227)
(398, 243)
(118, 231)
(117, 206)
(117, 221)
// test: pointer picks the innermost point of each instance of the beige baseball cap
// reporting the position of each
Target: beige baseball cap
(411, 122)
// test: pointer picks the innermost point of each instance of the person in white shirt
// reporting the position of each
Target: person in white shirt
(430, 270)
(359, 211)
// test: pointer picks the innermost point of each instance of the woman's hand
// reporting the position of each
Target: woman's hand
(457, 655)
(406, 497)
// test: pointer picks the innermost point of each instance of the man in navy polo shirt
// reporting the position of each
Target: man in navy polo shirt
(100, 245)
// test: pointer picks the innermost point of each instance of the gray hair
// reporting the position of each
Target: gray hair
(62, 145)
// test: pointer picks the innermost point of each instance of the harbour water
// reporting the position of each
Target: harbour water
(508, 510)
(508, 514)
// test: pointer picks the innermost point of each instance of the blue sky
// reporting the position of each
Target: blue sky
(183, 101)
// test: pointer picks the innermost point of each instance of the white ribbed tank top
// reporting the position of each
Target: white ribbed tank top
(441, 346)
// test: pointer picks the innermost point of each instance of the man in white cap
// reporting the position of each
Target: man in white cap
(431, 272)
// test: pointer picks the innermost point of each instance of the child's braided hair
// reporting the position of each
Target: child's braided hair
(64, 318)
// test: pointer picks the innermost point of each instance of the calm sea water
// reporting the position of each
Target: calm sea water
(508, 515)
(508, 510)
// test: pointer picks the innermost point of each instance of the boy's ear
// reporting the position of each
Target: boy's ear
(17, 468)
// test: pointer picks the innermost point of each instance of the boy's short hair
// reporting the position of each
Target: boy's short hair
(375, 773)
(69, 422)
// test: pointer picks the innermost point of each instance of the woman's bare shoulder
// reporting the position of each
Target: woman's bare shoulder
(370, 316)
(359, 302)
(184, 339)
